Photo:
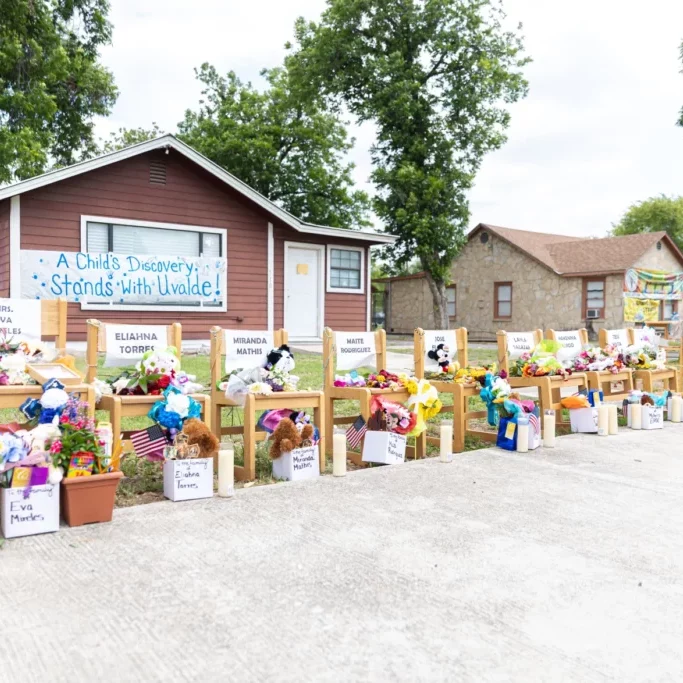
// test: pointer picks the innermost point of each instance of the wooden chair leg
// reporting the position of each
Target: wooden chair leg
(460, 407)
(249, 438)
(328, 423)
(545, 397)
(320, 419)
(216, 419)
(421, 445)
(115, 419)
(206, 411)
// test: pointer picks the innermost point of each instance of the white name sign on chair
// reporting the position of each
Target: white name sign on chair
(20, 319)
(519, 343)
(571, 344)
(127, 343)
(246, 349)
(618, 338)
(432, 339)
(355, 350)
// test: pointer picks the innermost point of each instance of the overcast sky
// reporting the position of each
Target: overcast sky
(595, 134)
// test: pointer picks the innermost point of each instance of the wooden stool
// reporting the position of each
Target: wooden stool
(254, 403)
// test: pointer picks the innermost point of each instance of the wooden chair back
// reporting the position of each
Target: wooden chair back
(329, 351)
(583, 335)
(97, 343)
(502, 337)
(419, 349)
(604, 336)
(217, 351)
(53, 318)
(632, 333)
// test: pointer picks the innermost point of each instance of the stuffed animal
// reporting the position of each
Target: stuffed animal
(198, 433)
(646, 400)
(287, 437)
(442, 355)
(280, 359)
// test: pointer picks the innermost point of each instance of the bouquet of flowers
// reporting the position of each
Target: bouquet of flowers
(281, 380)
(172, 412)
(399, 419)
(384, 380)
(642, 357)
(424, 401)
(352, 379)
(595, 359)
(541, 362)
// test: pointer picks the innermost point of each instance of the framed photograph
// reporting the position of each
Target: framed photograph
(42, 372)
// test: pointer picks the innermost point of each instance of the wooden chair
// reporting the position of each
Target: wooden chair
(549, 387)
(254, 404)
(53, 314)
(462, 393)
(668, 377)
(614, 386)
(119, 407)
(363, 395)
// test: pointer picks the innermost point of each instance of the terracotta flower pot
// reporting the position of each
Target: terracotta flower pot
(86, 500)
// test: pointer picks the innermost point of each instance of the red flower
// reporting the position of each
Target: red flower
(164, 381)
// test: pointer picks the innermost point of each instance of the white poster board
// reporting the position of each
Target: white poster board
(617, 338)
(432, 339)
(38, 513)
(355, 350)
(299, 464)
(571, 344)
(126, 344)
(188, 479)
(20, 319)
(645, 335)
(385, 448)
(519, 343)
(246, 349)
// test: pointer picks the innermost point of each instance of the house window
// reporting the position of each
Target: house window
(345, 269)
(450, 300)
(144, 238)
(503, 300)
(667, 309)
(594, 298)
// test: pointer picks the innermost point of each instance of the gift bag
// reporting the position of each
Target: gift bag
(507, 434)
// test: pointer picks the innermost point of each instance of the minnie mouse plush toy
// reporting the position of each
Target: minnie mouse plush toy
(441, 354)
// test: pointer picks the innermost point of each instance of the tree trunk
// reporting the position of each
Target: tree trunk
(438, 290)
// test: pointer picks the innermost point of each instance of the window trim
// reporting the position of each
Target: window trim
(584, 306)
(221, 232)
(328, 270)
(496, 313)
(454, 287)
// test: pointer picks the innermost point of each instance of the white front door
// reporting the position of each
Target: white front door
(303, 291)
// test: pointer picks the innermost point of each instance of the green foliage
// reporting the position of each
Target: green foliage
(51, 84)
(431, 75)
(653, 215)
(286, 146)
(75, 440)
(125, 137)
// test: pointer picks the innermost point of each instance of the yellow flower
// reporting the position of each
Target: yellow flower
(381, 378)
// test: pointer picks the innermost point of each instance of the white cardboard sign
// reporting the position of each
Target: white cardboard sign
(36, 514)
(653, 417)
(20, 319)
(584, 420)
(299, 464)
(188, 479)
(386, 448)
(618, 338)
(432, 338)
(355, 350)
(246, 349)
(127, 343)
(519, 343)
(571, 343)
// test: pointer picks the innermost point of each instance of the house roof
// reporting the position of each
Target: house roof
(574, 256)
(171, 142)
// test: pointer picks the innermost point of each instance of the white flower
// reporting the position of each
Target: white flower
(260, 388)
(54, 398)
(178, 403)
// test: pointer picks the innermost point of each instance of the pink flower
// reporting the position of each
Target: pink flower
(56, 447)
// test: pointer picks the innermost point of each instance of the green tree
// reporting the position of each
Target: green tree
(654, 215)
(432, 75)
(287, 147)
(125, 137)
(51, 83)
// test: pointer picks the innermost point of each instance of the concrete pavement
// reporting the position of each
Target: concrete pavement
(561, 565)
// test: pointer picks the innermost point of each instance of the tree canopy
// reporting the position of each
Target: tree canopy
(51, 83)
(125, 137)
(432, 75)
(286, 146)
(653, 215)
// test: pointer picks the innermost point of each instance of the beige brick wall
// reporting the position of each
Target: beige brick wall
(660, 259)
(410, 306)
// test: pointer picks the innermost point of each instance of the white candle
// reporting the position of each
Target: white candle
(603, 420)
(226, 471)
(636, 412)
(549, 429)
(613, 419)
(446, 441)
(676, 408)
(522, 437)
(339, 453)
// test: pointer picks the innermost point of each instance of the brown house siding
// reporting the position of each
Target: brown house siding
(4, 247)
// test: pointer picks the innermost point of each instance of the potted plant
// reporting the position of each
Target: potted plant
(88, 487)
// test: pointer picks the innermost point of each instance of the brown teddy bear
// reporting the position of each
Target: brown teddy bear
(198, 433)
(287, 437)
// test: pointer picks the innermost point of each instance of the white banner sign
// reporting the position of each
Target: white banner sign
(121, 278)
(618, 338)
(435, 338)
(246, 349)
(20, 319)
(127, 343)
(519, 343)
(355, 350)
(571, 344)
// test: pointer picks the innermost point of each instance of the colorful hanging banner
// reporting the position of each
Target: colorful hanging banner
(653, 284)
(639, 310)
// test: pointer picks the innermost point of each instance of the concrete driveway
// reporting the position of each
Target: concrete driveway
(561, 565)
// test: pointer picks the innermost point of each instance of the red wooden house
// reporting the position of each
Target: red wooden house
(163, 197)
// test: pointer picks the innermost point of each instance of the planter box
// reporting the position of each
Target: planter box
(37, 514)
(653, 417)
(89, 500)
(299, 464)
(385, 448)
(584, 420)
(188, 479)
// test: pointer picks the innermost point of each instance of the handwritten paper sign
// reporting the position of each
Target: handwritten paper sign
(571, 343)
(519, 343)
(618, 338)
(188, 479)
(355, 350)
(36, 514)
(20, 320)
(432, 339)
(246, 349)
(121, 278)
(299, 464)
(127, 343)
(653, 417)
(386, 448)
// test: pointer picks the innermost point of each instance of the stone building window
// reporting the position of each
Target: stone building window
(667, 309)
(593, 298)
(502, 300)
(450, 300)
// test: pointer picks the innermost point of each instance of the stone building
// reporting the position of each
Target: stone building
(520, 280)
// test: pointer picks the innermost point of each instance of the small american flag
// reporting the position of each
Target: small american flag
(535, 423)
(149, 442)
(356, 432)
